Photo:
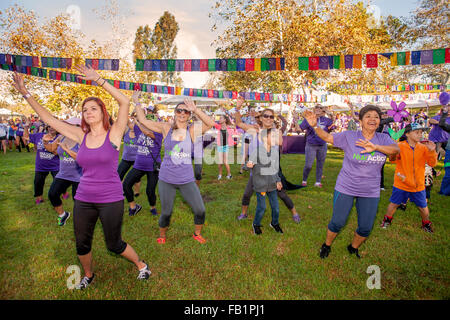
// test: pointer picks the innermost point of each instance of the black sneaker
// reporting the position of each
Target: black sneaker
(85, 282)
(386, 222)
(402, 206)
(352, 250)
(276, 227)
(145, 273)
(324, 251)
(257, 230)
(62, 220)
(133, 212)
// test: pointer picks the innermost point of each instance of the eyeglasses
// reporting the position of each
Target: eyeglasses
(180, 111)
(266, 116)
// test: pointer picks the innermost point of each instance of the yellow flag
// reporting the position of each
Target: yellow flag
(394, 59)
(258, 64)
(342, 62)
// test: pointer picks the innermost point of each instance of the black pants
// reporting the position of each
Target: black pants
(85, 216)
(382, 176)
(124, 166)
(39, 181)
(134, 176)
(198, 171)
(281, 194)
(59, 187)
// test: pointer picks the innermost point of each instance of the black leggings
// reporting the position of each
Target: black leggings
(124, 166)
(281, 194)
(59, 187)
(134, 176)
(39, 181)
(198, 171)
(85, 216)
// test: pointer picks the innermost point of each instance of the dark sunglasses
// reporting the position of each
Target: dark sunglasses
(267, 116)
(180, 111)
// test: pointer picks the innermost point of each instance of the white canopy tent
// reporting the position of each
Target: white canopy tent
(199, 101)
(415, 104)
(7, 112)
(281, 107)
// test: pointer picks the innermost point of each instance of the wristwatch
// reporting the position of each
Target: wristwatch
(27, 95)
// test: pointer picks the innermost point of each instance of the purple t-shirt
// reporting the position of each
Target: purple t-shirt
(361, 172)
(129, 147)
(45, 161)
(311, 136)
(68, 167)
(437, 134)
(147, 149)
(20, 129)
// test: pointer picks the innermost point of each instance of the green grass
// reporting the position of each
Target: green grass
(234, 263)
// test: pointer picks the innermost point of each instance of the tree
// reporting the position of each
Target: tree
(158, 43)
(291, 29)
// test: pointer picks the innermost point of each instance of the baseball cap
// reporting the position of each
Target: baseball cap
(415, 126)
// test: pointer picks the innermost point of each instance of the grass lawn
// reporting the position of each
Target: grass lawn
(234, 263)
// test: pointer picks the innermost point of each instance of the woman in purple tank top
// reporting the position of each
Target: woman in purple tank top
(99, 193)
(176, 168)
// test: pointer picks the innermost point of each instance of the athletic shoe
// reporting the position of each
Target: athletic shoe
(402, 206)
(318, 184)
(382, 189)
(324, 251)
(229, 177)
(161, 240)
(219, 177)
(199, 238)
(352, 250)
(85, 282)
(133, 212)
(304, 183)
(386, 222)
(242, 216)
(65, 195)
(257, 230)
(154, 212)
(296, 218)
(62, 220)
(39, 201)
(144, 273)
(427, 227)
(276, 227)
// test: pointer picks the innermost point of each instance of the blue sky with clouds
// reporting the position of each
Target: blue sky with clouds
(194, 38)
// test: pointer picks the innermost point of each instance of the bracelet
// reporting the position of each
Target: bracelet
(104, 81)
(26, 95)
(98, 78)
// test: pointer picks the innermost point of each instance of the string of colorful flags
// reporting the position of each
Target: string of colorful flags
(421, 57)
(205, 65)
(392, 88)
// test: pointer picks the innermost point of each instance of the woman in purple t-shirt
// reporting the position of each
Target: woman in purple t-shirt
(365, 153)
(176, 168)
(99, 193)
(46, 161)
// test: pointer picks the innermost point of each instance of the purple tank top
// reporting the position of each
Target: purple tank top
(176, 166)
(68, 167)
(129, 147)
(100, 182)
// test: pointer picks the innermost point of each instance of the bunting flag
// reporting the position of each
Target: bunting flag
(211, 65)
(103, 64)
(372, 60)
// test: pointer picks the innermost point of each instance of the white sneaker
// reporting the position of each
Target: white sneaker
(318, 184)
(229, 177)
(219, 177)
(304, 183)
(382, 189)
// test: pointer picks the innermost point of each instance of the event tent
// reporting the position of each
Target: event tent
(7, 112)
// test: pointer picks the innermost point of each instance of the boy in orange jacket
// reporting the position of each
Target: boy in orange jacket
(409, 174)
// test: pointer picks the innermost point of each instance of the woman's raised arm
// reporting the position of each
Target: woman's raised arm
(73, 132)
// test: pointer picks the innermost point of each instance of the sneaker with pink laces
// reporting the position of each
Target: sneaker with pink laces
(318, 184)
(304, 183)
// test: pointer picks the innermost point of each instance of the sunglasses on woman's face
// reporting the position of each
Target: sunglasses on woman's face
(266, 116)
(180, 111)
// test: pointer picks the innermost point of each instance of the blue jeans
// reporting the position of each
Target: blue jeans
(366, 209)
(261, 207)
(312, 153)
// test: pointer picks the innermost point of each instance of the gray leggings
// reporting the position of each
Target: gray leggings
(189, 192)
(313, 152)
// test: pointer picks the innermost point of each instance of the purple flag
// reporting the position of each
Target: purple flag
(426, 57)
(108, 64)
(179, 65)
(223, 64)
(323, 63)
(147, 65)
(348, 61)
(163, 65)
(272, 63)
(115, 64)
(195, 65)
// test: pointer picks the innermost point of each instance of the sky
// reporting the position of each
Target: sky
(195, 36)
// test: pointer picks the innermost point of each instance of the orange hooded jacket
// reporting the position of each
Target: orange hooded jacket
(410, 169)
